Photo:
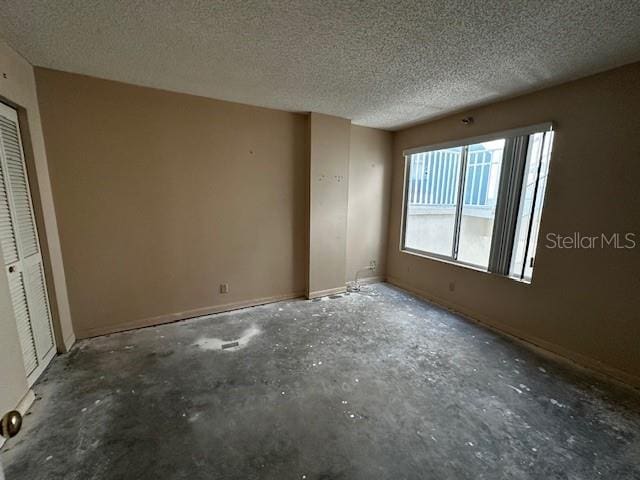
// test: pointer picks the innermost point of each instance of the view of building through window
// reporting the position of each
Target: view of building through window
(433, 193)
(432, 200)
(484, 162)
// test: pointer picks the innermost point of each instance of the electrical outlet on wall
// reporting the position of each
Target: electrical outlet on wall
(224, 288)
(373, 264)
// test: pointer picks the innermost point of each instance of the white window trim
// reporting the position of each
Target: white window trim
(514, 132)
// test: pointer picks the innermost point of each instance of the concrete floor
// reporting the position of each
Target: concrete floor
(374, 385)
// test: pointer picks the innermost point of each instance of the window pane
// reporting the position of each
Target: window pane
(482, 179)
(528, 224)
(432, 198)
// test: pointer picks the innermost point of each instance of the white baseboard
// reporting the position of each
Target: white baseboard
(67, 343)
(325, 293)
(26, 402)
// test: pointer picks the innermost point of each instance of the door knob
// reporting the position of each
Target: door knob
(11, 424)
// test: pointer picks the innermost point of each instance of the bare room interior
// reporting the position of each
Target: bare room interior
(301, 239)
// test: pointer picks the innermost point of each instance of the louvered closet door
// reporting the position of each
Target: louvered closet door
(21, 251)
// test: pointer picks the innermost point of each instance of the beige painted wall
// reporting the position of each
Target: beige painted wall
(328, 196)
(161, 197)
(18, 89)
(582, 304)
(368, 206)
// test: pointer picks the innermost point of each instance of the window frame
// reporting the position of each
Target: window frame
(502, 235)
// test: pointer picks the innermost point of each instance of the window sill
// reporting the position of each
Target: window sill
(466, 266)
(437, 258)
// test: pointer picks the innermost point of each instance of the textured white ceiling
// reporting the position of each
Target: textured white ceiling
(380, 63)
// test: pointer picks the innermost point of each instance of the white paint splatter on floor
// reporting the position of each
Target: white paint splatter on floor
(217, 343)
(557, 403)
(516, 389)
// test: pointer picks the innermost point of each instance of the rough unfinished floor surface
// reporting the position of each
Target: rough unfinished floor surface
(373, 385)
